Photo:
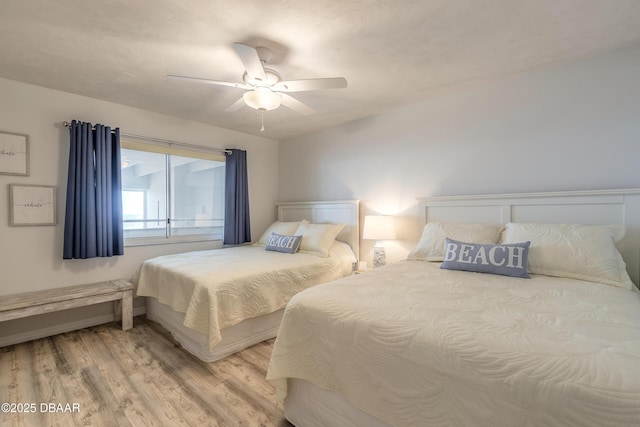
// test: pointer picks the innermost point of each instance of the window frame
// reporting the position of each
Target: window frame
(170, 150)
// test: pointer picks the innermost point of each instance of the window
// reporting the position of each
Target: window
(171, 194)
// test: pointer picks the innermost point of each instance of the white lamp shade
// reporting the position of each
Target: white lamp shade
(262, 98)
(379, 227)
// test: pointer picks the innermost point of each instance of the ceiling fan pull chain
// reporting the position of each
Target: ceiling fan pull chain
(262, 121)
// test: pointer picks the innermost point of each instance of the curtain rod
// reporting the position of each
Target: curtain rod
(164, 141)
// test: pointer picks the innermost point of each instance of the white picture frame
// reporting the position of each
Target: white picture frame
(32, 205)
(14, 154)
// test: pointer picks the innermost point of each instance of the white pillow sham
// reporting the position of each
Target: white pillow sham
(431, 246)
(583, 252)
(279, 227)
(317, 238)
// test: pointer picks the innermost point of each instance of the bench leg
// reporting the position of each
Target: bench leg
(127, 310)
(123, 310)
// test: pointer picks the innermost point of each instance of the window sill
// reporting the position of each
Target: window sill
(151, 241)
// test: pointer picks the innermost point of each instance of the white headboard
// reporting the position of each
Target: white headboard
(345, 212)
(571, 207)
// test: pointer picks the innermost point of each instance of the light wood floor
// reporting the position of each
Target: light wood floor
(140, 377)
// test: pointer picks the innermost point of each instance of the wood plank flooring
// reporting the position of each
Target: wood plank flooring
(140, 377)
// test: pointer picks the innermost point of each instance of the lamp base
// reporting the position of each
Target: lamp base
(379, 257)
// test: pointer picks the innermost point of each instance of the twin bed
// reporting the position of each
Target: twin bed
(411, 344)
(218, 302)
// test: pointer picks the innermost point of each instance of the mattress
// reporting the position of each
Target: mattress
(309, 406)
(233, 339)
(217, 289)
(411, 344)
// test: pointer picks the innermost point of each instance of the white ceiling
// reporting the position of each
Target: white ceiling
(392, 52)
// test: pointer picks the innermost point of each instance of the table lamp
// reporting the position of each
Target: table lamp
(379, 227)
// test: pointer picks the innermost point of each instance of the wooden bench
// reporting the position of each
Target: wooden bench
(39, 302)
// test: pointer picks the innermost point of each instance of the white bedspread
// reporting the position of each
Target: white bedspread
(414, 345)
(220, 288)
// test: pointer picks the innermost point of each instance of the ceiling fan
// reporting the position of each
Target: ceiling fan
(265, 89)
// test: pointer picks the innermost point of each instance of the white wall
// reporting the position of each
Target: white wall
(31, 257)
(569, 127)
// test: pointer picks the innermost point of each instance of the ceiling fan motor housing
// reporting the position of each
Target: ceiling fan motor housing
(272, 78)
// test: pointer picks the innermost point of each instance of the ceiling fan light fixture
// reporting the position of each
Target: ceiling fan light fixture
(262, 99)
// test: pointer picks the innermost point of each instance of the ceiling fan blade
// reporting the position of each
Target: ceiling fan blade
(311, 84)
(209, 81)
(235, 106)
(295, 105)
(251, 61)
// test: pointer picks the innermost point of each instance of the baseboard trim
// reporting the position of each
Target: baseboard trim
(62, 328)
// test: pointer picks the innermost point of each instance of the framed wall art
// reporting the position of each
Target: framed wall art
(32, 205)
(14, 154)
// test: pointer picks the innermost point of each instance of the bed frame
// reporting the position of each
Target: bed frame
(307, 404)
(573, 207)
(335, 212)
(258, 329)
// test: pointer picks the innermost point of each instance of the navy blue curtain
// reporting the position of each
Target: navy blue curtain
(237, 227)
(93, 217)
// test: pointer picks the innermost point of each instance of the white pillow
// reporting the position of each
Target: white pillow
(279, 227)
(317, 238)
(583, 252)
(431, 246)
